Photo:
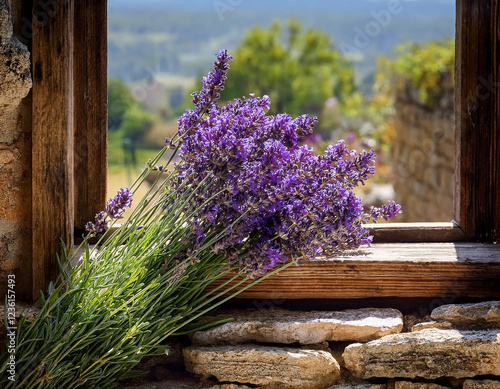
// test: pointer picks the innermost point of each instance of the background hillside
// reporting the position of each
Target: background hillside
(160, 49)
(179, 38)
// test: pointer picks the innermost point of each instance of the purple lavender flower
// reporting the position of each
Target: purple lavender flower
(272, 196)
(100, 224)
(207, 97)
(386, 211)
(115, 207)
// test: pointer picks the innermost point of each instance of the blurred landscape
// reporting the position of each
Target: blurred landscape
(158, 51)
(179, 38)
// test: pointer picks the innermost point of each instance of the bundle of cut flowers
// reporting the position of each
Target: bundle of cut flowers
(246, 198)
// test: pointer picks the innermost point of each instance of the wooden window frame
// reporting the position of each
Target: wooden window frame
(69, 132)
(69, 53)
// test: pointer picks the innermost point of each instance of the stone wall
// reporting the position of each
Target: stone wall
(15, 151)
(423, 154)
(457, 347)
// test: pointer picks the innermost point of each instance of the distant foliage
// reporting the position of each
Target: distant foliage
(424, 65)
(137, 123)
(298, 69)
(120, 100)
(126, 116)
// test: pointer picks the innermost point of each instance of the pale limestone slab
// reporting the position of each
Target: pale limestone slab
(430, 353)
(285, 327)
(484, 312)
(481, 384)
(269, 367)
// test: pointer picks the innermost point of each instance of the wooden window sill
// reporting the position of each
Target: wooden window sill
(433, 261)
(416, 232)
(390, 270)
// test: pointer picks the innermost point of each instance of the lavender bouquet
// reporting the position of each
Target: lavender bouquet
(246, 198)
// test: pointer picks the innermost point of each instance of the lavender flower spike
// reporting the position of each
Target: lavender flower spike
(290, 204)
(386, 211)
(100, 224)
(115, 207)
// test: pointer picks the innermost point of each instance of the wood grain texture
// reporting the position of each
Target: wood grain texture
(495, 126)
(477, 110)
(90, 96)
(415, 232)
(52, 152)
(390, 270)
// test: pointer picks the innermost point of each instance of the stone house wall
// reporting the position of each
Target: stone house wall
(423, 154)
(15, 150)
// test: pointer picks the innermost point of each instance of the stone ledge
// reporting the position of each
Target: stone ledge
(481, 384)
(487, 312)
(285, 327)
(268, 367)
(430, 354)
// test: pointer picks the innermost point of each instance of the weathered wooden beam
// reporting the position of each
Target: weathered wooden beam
(52, 137)
(494, 153)
(477, 111)
(415, 232)
(91, 109)
(390, 270)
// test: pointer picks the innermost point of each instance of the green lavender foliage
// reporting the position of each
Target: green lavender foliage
(121, 301)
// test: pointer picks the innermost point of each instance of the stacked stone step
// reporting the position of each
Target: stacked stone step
(463, 341)
(459, 348)
(260, 347)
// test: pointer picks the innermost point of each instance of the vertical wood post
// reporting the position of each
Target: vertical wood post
(495, 125)
(477, 96)
(90, 94)
(52, 179)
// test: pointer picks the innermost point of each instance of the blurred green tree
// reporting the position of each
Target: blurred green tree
(137, 122)
(120, 100)
(424, 65)
(298, 69)
(126, 116)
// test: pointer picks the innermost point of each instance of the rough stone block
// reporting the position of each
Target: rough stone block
(269, 367)
(417, 385)
(15, 76)
(481, 384)
(484, 312)
(359, 386)
(285, 327)
(431, 324)
(30, 312)
(5, 21)
(430, 353)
